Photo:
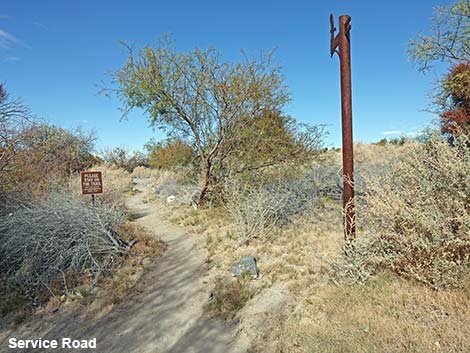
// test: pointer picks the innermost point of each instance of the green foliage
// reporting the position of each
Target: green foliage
(66, 150)
(448, 42)
(195, 93)
(171, 153)
(272, 138)
(197, 97)
(449, 39)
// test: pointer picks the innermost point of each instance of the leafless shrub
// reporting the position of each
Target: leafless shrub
(168, 187)
(174, 183)
(120, 157)
(43, 243)
(258, 210)
(14, 118)
(255, 211)
(185, 194)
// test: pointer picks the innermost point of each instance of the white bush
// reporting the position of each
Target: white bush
(42, 243)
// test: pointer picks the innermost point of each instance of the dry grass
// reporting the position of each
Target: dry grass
(228, 297)
(116, 184)
(145, 246)
(200, 220)
(145, 172)
(299, 255)
(369, 154)
(387, 314)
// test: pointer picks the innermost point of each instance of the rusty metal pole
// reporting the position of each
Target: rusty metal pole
(342, 42)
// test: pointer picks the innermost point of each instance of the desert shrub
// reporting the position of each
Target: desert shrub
(396, 141)
(272, 139)
(228, 297)
(56, 238)
(260, 205)
(255, 212)
(142, 172)
(417, 217)
(171, 153)
(258, 210)
(456, 88)
(11, 298)
(66, 151)
(15, 117)
(168, 187)
(46, 156)
(120, 157)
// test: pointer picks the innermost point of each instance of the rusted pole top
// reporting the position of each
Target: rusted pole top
(342, 46)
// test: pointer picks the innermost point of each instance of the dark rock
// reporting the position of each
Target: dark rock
(247, 264)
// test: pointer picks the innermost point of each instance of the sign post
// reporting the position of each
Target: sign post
(341, 45)
(92, 183)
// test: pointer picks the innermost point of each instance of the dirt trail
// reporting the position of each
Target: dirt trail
(166, 312)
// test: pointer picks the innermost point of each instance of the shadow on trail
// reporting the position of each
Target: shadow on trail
(164, 313)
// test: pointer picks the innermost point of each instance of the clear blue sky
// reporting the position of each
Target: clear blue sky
(55, 53)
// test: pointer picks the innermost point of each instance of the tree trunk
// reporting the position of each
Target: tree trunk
(207, 188)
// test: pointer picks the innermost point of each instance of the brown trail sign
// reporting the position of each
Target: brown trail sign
(92, 183)
(342, 46)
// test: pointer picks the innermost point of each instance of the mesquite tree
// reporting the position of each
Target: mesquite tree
(448, 42)
(199, 98)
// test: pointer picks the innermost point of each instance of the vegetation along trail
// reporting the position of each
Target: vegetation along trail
(166, 312)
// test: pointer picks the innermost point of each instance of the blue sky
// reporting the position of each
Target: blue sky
(55, 53)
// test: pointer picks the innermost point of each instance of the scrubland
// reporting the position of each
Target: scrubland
(59, 249)
(401, 286)
(246, 179)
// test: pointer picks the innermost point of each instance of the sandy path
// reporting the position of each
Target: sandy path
(165, 314)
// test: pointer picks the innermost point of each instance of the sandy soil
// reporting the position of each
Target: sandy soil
(165, 313)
